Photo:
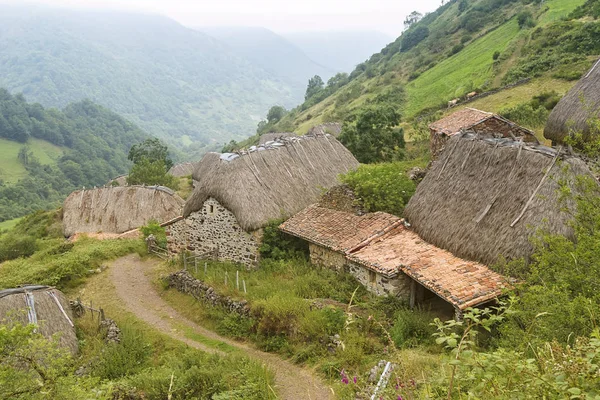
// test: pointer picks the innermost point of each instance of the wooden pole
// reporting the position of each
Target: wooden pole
(205, 269)
(237, 279)
(225, 278)
(185, 261)
(196, 265)
(244, 283)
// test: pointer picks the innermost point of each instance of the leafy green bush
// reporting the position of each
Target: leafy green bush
(153, 228)
(524, 114)
(12, 247)
(382, 187)
(277, 245)
(279, 315)
(412, 328)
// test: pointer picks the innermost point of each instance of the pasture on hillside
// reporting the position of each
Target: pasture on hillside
(12, 169)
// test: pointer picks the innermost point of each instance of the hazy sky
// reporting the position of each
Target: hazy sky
(279, 15)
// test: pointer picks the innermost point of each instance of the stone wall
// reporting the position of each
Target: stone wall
(186, 283)
(380, 285)
(214, 227)
(324, 257)
(496, 128)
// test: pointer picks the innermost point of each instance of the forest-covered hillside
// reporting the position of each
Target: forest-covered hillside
(465, 46)
(174, 82)
(52, 152)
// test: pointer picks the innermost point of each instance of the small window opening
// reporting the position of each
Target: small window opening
(211, 209)
(372, 277)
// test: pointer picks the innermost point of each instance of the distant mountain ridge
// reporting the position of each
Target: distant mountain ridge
(175, 82)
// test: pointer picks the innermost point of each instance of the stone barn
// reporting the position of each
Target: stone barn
(43, 306)
(238, 194)
(391, 260)
(574, 112)
(118, 209)
(485, 124)
(484, 198)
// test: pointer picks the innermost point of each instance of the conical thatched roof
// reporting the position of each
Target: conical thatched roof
(273, 136)
(118, 209)
(575, 109)
(271, 182)
(479, 200)
(14, 307)
(182, 169)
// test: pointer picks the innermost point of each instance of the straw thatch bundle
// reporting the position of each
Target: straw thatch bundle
(14, 308)
(577, 107)
(183, 169)
(270, 183)
(470, 198)
(118, 209)
(273, 136)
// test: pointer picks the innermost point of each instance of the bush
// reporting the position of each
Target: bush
(153, 228)
(496, 55)
(412, 328)
(525, 20)
(456, 49)
(280, 315)
(382, 187)
(281, 246)
(12, 247)
(525, 114)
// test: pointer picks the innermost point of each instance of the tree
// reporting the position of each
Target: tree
(413, 37)
(151, 149)
(372, 136)
(412, 19)
(275, 114)
(315, 85)
(149, 172)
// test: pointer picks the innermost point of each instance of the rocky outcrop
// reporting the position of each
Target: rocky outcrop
(186, 283)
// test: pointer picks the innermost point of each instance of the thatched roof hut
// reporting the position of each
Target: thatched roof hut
(274, 136)
(270, 182)
(41, 305)
(485, 124)
(484, 198)
(118, 209)
(182, 169)
(331, 128)
(574, 111)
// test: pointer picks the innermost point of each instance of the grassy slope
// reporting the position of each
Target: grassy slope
(472, 67)
(11, 169)
(558, 9)
(6, 225)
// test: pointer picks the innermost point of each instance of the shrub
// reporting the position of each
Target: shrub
(382, 187)
(457, 48)
(153, 228)
(280, 314)
(496, 55)
(280, 246)
(412, 328)
(525, 114)
(12, 247)
(525, 20)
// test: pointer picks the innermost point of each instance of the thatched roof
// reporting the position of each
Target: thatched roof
(274, 136)
(182, 169)
(331, 128)
(574, 110)
(118, 209)
(14, 307)
(484, 198)
(272, 182)
(461, 283)
(120, 180)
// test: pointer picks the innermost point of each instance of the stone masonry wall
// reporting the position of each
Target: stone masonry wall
(214, 226)
(186, 283)
(497, 128)
(324, 257)
(380, 285)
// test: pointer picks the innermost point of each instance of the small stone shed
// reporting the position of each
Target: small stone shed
(44, 306)
(484, 199)
(574, 111)
(118, 209)
(390, 259)
(485, 124)
(238, 194)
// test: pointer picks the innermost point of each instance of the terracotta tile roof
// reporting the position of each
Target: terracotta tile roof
(462, 119)
(338, 230)
(462, 283)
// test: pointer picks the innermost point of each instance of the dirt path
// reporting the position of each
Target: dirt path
(130, 275)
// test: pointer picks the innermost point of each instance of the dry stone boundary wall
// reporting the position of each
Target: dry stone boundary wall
(186, 283)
